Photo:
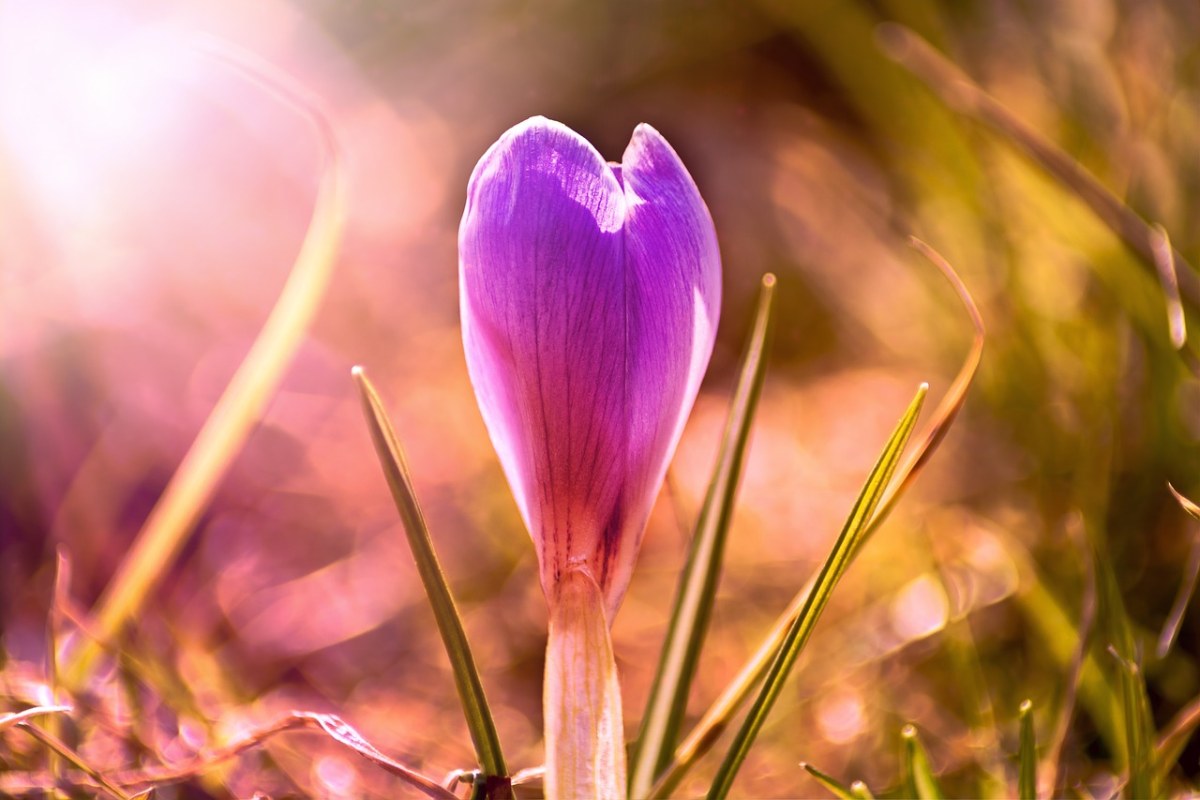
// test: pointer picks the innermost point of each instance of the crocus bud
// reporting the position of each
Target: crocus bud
(589, 296)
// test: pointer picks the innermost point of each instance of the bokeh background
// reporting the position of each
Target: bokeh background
(152, 201)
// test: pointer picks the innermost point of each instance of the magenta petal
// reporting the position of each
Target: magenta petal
(674, 266)
(589, 304)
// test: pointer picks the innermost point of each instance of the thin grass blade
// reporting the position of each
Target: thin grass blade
(720, 715)
(466, 676)
(698, 584)
(1175, 737)
(1186, 504)
(951, 403)
(153, 778)
(245, 398)
(919, 780)
(860, 791)
(342, 733)
(844, 549)
(1168, 277)
(1183, 598)
(1117, 629)
(54, 637)
(1139, 747)
(56, 745)
(831, 784)
(17, 717)
(1027, 755)
(1048, 774)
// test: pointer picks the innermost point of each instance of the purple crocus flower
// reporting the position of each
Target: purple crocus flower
(590, 293)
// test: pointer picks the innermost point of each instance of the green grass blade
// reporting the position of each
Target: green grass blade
(1066, 641)
(831, 572)
(1117, 629)
(721, 713)
(698, 583)
(919, 780)
(831, 784)
(1139, 745)
(245, 399)
(1187, 588)
(1027, 755)
(860, 791)
(466, 676)
(1171, 741)
(1076, 668)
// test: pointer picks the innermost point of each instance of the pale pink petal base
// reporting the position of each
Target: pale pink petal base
(585, 740)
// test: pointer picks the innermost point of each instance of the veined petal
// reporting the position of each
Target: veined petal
(674, 268)
(543, 283)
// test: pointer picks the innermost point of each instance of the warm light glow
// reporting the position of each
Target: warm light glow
(920, 609)
(840, 716)
(83, 90)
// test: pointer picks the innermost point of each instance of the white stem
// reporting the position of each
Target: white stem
(585, 741)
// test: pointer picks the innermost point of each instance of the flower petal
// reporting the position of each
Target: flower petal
(543, 310)
(674, 270)
(590, 296)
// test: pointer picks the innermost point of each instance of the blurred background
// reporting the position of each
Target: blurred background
(153, 200)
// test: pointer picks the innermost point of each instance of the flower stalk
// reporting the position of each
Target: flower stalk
(582, 696)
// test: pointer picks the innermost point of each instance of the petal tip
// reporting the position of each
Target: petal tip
(538, 124)
(645, 135)
(647, 147)
(646, 129)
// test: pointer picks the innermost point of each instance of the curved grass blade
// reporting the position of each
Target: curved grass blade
(466, 676)
(1187, 588)
(245, 398)
(1186, 504)
(844, 550)
(1027, 755)
(720, 714)
(831, 784)
(1175, 737)
(952, 402)
(919, 780)
(17, 717)
(698, 583)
